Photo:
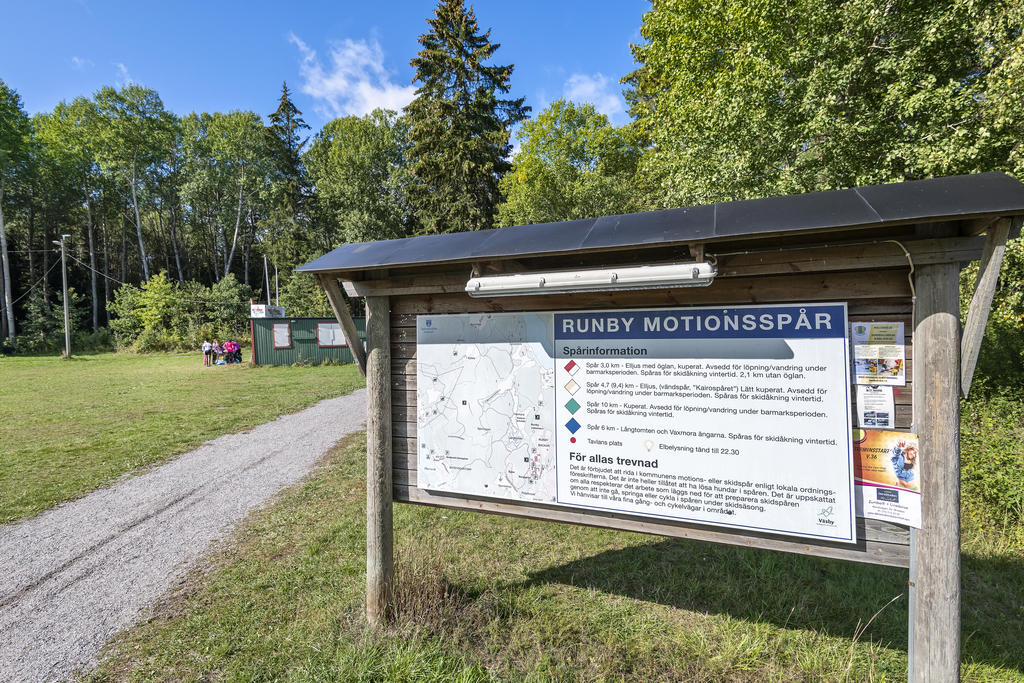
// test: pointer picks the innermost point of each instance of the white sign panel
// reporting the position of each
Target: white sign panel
(265, 311)
(875, 407)
(282, 335)
(736, 417)
(330, 334)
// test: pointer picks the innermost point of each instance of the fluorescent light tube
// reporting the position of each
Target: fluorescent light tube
(666, 276)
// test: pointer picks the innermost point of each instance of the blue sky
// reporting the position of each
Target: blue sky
(341, 57)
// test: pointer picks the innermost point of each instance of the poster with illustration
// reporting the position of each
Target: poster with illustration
(879, 355)
(887, 474)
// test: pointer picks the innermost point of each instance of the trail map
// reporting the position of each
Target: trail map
(485, 387)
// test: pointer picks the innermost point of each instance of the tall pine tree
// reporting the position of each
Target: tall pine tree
(460, 127)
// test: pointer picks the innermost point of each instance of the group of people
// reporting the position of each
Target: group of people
(216, 353)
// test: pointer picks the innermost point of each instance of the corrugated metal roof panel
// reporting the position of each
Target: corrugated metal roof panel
(839, 208)
(941, 197)
(870, 206)
(535, 239)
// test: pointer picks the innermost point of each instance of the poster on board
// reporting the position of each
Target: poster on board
(736, 417)
(887, 467)
(879, 355)
(876, 407)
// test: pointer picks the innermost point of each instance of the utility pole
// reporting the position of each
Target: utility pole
(266, 278)
(67, 311)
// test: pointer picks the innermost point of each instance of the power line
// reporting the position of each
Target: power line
(112, 279)
(37, 282)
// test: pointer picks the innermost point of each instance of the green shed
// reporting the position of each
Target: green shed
(286, 341)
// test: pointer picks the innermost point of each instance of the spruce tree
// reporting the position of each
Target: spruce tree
(288, 223)
(460, 126)
(286, 124)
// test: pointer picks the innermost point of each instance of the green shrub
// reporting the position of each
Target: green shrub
(126, 323)
(42, 330)
(992, 458)
(163, 315)
(93, 342)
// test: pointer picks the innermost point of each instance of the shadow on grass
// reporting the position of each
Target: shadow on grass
(797, 592)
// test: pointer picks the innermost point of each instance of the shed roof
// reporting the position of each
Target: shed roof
(871, 206)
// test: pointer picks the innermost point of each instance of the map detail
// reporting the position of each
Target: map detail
(484, 396)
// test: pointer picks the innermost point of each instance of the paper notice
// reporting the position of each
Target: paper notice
(879, 356)
(875, 408)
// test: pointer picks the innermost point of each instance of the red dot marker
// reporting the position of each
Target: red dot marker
(572, 440)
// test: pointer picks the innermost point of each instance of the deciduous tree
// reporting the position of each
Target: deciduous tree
(359, 168)
(743, 99)
(572, 164)
(14, 133)
(136, 132)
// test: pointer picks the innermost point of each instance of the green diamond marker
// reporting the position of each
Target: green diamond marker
(573, 406)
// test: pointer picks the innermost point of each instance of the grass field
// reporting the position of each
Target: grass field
(489, 598)
(67, 427)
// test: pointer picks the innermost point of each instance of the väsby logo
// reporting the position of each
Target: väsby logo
(823, 516)
(428, 322)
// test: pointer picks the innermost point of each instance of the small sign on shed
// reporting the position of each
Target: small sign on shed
(265, 311)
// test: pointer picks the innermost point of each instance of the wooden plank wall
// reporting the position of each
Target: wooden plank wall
(871, 295)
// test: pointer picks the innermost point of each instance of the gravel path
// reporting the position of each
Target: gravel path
(76, 575)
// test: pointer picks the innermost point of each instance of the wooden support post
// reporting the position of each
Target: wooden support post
(344, 317)
(379, 528)
(981, 302)
(935, 549)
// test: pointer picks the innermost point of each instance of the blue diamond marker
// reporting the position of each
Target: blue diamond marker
(573, 426)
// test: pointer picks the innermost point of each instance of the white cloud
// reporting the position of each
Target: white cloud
(356, 81)
(123, 77)
(81, 63)
(598, 90)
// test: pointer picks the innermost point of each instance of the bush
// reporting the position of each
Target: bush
(93, 342)
(992, 458)
(42, 330)
(165, 316)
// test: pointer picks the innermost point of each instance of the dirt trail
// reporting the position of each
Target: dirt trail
(76, 575)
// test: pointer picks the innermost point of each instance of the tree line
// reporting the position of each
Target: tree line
(728, 100)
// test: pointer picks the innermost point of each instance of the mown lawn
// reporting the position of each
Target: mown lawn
(67, 427)
(487, 598)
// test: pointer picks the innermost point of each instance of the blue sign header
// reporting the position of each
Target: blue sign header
(788, 321)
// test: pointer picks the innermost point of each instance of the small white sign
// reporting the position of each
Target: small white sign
(265, 311)
(330, 334)
(282, 335)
